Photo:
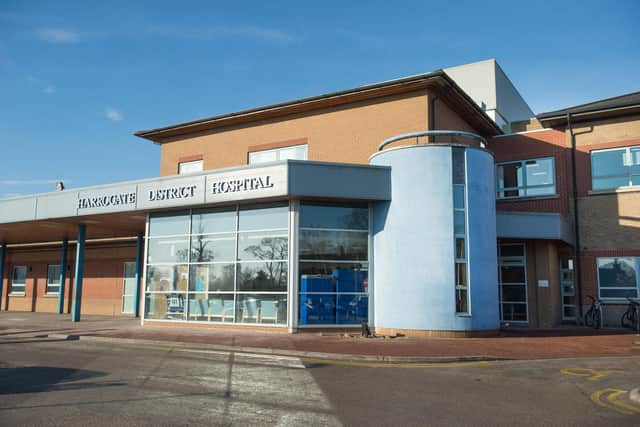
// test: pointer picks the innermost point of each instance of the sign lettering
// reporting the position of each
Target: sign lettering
(243, 184)
(107, 200)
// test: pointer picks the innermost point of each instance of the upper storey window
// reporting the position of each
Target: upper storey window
(618, 167)
(189, 167)
(296, 152)
(526, 178)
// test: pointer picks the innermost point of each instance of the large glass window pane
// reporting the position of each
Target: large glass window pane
(539, 172)
(221, 308)
(458, 166)
(351, 309)
(339, 216)
(53, 279)
(19, 278)
(261, 308)
(333, 245)
(514, 293)
(198, 307)
(458, 197)
(458, 222)
(612, 182)
(167, 278)
(609, 162)
(541, 191)
(460, 248)
(263, 245)
(212, 277)
(514, 312)
(269, 276)
(333, 277)
(214, 221)
(617, 272)
(510, 175)
(461, 275)
(168, 250)
(216, 247)
(462, 301)
(317, 309)
(511, 250)
(513, 274)
(166, 306)
(169, 224)
(264, 217)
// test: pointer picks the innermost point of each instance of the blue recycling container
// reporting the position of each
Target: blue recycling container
(317, 309)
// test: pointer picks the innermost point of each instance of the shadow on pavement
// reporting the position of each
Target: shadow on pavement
(38, 379)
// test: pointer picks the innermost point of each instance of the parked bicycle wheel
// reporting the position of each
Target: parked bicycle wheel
(588, 317)
(629, 320)
(597, 319)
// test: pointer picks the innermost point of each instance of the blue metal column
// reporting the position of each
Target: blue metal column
(63, 275)
(79, 272)
(3, 253)
(139, 255)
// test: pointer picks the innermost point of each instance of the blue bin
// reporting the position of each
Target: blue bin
(309, 283)
(349, 280)
(352, 309)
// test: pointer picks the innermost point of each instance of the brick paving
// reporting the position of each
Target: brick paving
(513, 344)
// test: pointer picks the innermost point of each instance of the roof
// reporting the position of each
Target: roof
(608, 107)
(438, 79)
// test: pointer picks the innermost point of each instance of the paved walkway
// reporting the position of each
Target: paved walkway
(515, 344)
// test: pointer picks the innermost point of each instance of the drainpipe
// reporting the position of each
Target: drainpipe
(432, 116)
(577, 280)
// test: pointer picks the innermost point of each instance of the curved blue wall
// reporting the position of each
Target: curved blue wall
(413, 242)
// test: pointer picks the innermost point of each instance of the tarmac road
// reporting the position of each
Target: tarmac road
(45, 381)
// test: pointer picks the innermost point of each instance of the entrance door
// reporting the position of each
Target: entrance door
(129, 287)
(567, 289)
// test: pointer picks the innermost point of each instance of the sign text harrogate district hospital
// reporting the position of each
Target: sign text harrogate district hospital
(245, 184)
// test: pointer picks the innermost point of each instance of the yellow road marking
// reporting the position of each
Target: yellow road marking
(591, 374)
(396, 365)
(612, 395)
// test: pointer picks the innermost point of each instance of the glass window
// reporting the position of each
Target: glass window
(526, 178)
(513, 282)
(619, 167)
(200, 265)
(19, 278)
(168, 224)
(190, 167)
(296, 152)
(333, 269)
(335, 216)
(264, 217)
(214, 221)
(53, 279)
(617, 277)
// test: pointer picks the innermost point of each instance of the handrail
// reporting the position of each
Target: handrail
(481, 140)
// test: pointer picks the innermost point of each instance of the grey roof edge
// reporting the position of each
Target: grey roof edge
(202, 173)
(514, 87)
(620, 101)
(148, 133)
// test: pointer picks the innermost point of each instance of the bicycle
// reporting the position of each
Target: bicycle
(593, 317)
(631, 317)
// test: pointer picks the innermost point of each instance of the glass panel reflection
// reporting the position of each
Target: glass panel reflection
(340, 216)
(168, 250)
(333, 245)
(168, 224)
(261, 308)
(167, 278)
(217, 247)
(263, 245)
(167, 306)
(269, 276)
(212, 277)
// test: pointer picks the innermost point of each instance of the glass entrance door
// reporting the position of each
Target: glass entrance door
(129, 287)
(567, 289)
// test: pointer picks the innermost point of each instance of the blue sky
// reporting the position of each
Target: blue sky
(77, 79)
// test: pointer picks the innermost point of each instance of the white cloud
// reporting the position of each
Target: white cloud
(49, 90)
(113, 114)
(57, 35)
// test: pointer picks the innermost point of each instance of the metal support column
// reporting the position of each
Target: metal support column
(79, 272)
(63, 275)
(139, 252)
(3, 254)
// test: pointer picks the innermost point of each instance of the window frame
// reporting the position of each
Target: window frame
(47, 291)
(629, 172)
(24, 284)
(277, 151)
(190, 162)
(524, 187)
(618, 299)
(513, 261)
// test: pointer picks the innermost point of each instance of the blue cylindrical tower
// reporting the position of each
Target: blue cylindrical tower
(434, 243)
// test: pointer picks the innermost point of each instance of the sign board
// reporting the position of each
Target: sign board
(543, 283)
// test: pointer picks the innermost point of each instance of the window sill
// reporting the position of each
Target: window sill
(51, 295)
(527, 198)
(614, 191)
(463, 315)
(16, 294)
